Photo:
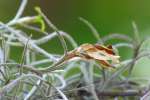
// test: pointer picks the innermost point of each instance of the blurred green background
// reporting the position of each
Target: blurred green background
(108, 16)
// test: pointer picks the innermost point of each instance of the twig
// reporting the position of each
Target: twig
(28, 59)
(62, 80)
(39, 62)
(22, 20)
(20, 11)
(117, 36)
(136, 33)
(52, 35)
(51, 25)
(5, 73)
(123, 69)
(17, 89)
(45, 39)
(23, 39)
(145, 96)
(34, 88)
(109, 93)
(121, 93)
(31, 82)
(26, 67)
(23, 56)
(91, 80)
(119, 45)
(94, 31)
(62, 94)
(33, 28)
(136, 52)
(9, 86)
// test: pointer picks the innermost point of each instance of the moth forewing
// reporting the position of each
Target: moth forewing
(104, 55)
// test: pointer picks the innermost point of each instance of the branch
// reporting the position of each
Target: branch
(23, 40)
(93, 29)
(50, 24)
(19, 12)
(121, 93)
(123, 69)
(9, 86)
(117, 36)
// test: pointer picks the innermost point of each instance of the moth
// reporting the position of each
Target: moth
(105, 55)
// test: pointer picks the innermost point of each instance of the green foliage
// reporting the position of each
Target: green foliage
(39, 19)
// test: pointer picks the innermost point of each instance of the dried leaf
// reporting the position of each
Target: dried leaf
(104, 55)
